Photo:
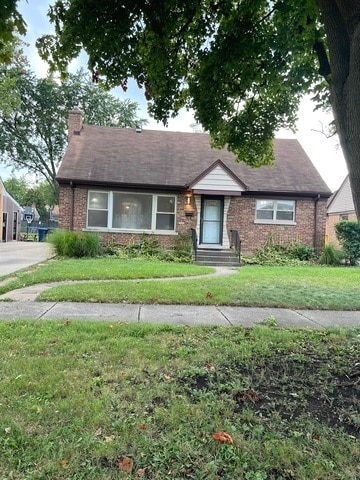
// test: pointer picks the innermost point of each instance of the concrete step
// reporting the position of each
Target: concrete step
(218, 258)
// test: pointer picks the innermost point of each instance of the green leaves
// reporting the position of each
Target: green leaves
(348, 234)
(33, 118)
(242, 66)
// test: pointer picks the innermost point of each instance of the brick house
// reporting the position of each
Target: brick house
(340, 207)
(123, 183)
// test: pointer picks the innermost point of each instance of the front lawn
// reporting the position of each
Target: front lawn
(102, 268)
(100, 401)
(327, 288)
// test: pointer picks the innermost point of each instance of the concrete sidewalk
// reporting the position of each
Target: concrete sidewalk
(190, 315)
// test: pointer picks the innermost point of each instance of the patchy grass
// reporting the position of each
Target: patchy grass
(324, 288)
(300, 287)
(99, 269)
(101, 401)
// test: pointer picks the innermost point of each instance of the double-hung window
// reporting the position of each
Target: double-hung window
(275, 211)
(131, 211)
(98, 208)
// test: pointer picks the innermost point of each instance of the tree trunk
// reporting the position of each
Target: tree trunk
(341, 19)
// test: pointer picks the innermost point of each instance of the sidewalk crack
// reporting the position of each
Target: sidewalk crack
(226, 318)
(47, 310)
(307, 318)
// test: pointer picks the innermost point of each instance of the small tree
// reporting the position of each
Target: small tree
(348, 234)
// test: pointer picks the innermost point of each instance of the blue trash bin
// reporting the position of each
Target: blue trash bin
(42, 234)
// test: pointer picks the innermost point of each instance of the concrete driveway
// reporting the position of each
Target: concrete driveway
(18, 255)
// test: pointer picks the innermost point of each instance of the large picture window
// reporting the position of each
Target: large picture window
(275, 211)
(131, 211)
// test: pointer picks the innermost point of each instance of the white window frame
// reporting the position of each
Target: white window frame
(97, 209)
(274, 220)
(154, 212)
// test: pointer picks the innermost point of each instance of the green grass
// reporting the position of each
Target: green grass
(144, 281)
(287, 287)
(99, 269)
(79, 398)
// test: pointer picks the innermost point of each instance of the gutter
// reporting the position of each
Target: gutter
(316, 220)
(72, 206)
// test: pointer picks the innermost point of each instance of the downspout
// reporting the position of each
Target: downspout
(72, 205)
(316, 220)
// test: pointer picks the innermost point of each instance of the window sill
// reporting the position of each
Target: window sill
(139, 232)
(274, 222)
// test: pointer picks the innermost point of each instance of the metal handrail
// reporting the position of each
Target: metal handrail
(194, 241)
(235, 242)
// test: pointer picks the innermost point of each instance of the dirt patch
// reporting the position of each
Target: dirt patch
(288, 388)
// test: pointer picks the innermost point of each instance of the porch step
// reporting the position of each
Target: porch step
(217, 258)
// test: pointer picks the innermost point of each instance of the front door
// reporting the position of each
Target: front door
(211, 222)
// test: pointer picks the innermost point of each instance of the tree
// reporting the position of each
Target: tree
(242, 66)
(9, 72)
(34, 136)
(11, 24)
(17, 188)
(41, 195)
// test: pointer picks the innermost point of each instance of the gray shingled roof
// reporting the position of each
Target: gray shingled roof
(119, 157)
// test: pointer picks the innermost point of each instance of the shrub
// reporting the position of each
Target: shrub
(149, 247)
(300, 251)
(348, 234)
(331, 255)
(275, 254)
(75, 244)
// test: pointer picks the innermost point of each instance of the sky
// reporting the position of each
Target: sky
(325, 153)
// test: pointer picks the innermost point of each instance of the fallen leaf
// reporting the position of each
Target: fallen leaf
(208, 295)
(108, 439)
(141, 472)
(110, 326)
(142, 426)
(125, 464)
(250, 396)
(98, 432)
(64, 463)
(223, 437)
(67, 322)
(7, 429)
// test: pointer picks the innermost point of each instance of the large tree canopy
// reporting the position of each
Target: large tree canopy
(241, 65)
(34, 135)
(11, 24)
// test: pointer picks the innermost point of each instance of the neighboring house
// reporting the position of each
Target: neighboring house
(340, 207)
(122, 183)
(10, 213)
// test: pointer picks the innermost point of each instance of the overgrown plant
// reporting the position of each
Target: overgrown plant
(348, 234)
(331, 255)
(75, 244)
(292, 253)
(149, 247)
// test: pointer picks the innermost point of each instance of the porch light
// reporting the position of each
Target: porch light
(189, 209)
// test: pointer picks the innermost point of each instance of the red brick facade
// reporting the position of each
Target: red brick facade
(241, 216)
(332, 220)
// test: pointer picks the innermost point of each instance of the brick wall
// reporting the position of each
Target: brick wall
(331, 221)
(78, 223)
(241, 217)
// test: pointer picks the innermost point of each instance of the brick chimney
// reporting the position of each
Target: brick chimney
(75, 122)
